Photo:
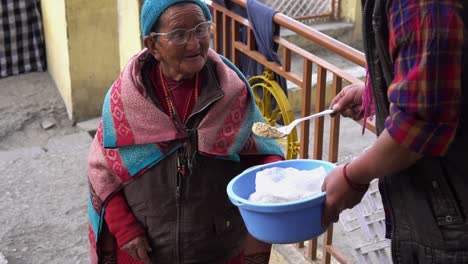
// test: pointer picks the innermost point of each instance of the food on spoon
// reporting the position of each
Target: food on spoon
(267, 131)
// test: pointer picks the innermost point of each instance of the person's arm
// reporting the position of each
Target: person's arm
(385, 157)
(120, 220)
(425, 96)
(253, 160)
(129, 234)
(425, 101)
(348, 102)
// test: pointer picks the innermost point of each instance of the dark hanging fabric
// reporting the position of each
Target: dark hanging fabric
(465, 68)
(21, 37)
(259, 15)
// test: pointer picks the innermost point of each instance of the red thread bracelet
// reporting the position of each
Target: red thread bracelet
(358, 187)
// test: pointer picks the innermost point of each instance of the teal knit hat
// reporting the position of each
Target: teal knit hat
(153, 9)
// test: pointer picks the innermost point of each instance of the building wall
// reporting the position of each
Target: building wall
(129, 29)
(89, 42)
(94, 53)
(86, 47)
(351, 11)
(55, 33)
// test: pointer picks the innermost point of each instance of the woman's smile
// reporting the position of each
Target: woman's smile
(192, 56)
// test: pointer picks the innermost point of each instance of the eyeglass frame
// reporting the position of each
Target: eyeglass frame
(154, 35)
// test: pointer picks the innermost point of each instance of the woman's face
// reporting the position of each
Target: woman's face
(180, 61)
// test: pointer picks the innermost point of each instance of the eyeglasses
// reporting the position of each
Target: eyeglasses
(181, 36)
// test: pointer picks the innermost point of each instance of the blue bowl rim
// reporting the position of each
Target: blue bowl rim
(276, 207)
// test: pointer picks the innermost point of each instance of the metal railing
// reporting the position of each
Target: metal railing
(227, 41)
(306, 10)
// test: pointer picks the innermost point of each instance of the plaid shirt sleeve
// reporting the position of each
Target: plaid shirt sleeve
(426, 44)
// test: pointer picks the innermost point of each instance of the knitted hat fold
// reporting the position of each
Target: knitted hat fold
(153, 9)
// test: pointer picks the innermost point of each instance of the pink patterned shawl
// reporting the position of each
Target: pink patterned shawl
(134, 134)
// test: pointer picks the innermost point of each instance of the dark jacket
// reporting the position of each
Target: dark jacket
(427, 204)
(182, 200)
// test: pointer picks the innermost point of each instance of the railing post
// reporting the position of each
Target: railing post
(286, 59)
(305, 109)
(225, 36)
(327, 241)
(233, 47)
(218, 27)
(320, 90)
(334, 123)
(235, 37)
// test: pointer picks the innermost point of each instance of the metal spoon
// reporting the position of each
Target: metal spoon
(265, 130)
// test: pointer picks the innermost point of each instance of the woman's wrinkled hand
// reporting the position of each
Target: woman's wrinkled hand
(348, 102)
(340, 196)
(138, 249)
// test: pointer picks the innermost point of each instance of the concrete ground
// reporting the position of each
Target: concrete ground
(43, 186)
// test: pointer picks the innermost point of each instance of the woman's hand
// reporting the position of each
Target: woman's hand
(138, 248)
(339, 196)
(348, 102)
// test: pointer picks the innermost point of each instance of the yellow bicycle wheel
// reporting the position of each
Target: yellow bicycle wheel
(275, 107)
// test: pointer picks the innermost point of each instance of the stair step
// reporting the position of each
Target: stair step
(295, 93)
(90, 125)
(330, 28)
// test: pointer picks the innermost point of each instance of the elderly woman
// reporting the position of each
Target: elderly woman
(176, 128)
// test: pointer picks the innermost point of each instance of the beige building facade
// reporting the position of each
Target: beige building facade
(89, 42)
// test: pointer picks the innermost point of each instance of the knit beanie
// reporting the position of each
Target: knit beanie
(153, 9)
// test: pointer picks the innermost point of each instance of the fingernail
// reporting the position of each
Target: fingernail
(335, 107)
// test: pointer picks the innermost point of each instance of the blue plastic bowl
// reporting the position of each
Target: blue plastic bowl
(279, 223)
